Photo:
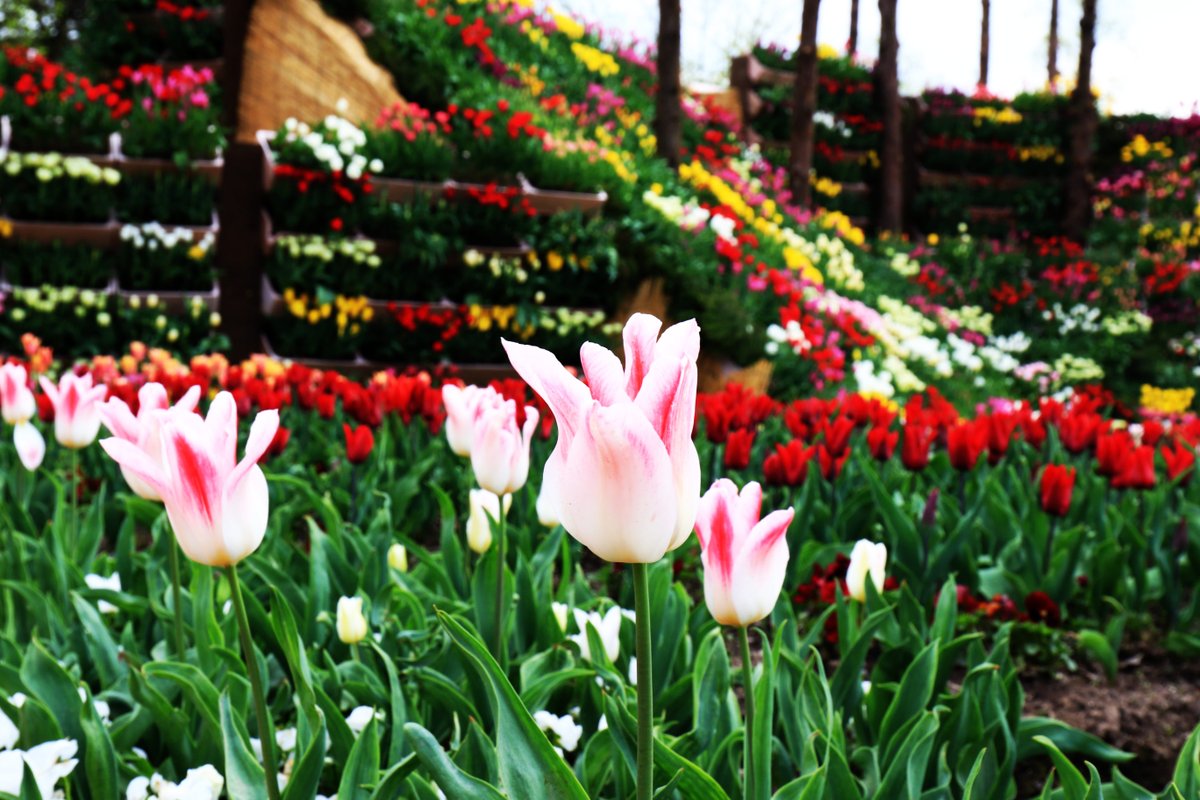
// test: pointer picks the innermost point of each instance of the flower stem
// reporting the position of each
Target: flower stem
(748, 686)
(265, 734)
(1049, 546)
(74, 500)
(177, 598)
(645, 683)
(500, 596)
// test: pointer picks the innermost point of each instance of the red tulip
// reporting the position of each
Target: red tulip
(278, 444)
(1137, 470)
(831, 466)
(788, 465)
(326, 405)
(965, 443)
(359, 443)
(914, 453)
(1000, 429)
(837, 435)
(1152, 432)
(1181, 461)
(1077, 431)
(1111, 451)
(1058, 483)
(882, 442)
(737, 448)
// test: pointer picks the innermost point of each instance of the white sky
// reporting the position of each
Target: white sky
(1146, 58)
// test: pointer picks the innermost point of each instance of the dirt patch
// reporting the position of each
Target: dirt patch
(1149, 711)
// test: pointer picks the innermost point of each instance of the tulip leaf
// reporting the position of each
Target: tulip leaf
(305, 778)
(244, 776)
(764, 719)
(1074, 787)
(529, 767)
(98, 641)
(1097, 646)
(362, 768)
(397, 750)
(1187, 769)
(905, 773)
(29, 787)
(195, 685)
(50, 683)
(1065, 738)
(100, 758)
(913, 695)
(449, 778)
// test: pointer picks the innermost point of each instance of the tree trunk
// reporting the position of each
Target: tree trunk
(891, 188)
(852, 45)
(668, 111)
(1052, 59)
(804, 105)
(1081, 116)
(985, 30)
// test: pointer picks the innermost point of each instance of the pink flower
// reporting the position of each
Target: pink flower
(144, 429)
(217, 505)
(17, 403)
(31, 447)
(499, 448)
(624, 477)
(462, 406)
(745, 558)
(76, 409)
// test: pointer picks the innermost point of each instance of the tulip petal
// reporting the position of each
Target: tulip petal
(190, 399)
(262, 433)
(567, 397)
(604, 373)
(193, 489)
(134, 461)
(50, 390)
(220, 431)
(31, 447)
(759, 570)
(245, 512)
(153, 396)
(639, 336)
(117, 417)
(680, 340)
(668, 399)
(616, 492)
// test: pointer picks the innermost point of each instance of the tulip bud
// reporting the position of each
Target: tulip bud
(485, 507)
(351, 624)
(499, 448)
(461, 405)
(561, 614)
(867, 558)
(929, 515)
(31, 447)
(76, 402)
(1179, 541)
(17, 403)
(397, 557)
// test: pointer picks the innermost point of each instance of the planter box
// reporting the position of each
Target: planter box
(927, 177)
(101, 235)
(175, 302)
(402, 190)
(552, 202)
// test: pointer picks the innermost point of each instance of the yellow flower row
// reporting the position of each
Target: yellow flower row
(595, 60)
(348, 312)
(1140, 147)
(1167, 401)
(1001, 116)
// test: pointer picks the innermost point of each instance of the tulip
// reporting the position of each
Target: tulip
(144, 430)
(49, 762)
(485, 508)
(1181, 461)
(31, 447)
(867, 558)
(360, 442)
(737, 448)
(1111, 451)
(1137, 470)
(1077, 430)
(624, 475)
(499, 447)
(1000, 427)
(914, 451)
(608, 628)
(461, 403)
(882, 442)
(76, 409)
(1058, 482)
(745, 557)
(217, 508)
(788, 465)
(397, 557)
(837, 435)
(17, 403)
(965, 443)
(352, 626)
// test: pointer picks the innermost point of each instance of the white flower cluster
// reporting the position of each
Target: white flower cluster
(1127, 322)
(687, 215)
(792, 335)
(204, 783)
(1188, 346)
(904, 265)
(825, 119)
(360, 251)
(871, 382)
(566, 730)
(973, 318)
(52, 166)
(1080, 318)
(49, 762)
(335, 143)
(569, 321)
(1077, 369)
(154, 235)
(499, 266)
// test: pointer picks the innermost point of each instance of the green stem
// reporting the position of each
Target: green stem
(177, 598)
(645, 683)
(500, 596)
(265, 734)
(1049, 546)
(75, 487)
(748, 686)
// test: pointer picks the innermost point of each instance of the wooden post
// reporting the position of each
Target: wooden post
(239, 243)
(891, 183)
(1052, 58)
(668, 111)
(1081, 119)
(852, 44)
(985, 29)
(804, 105)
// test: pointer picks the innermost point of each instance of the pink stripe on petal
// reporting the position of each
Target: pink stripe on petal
(604, 374)
(639, 336)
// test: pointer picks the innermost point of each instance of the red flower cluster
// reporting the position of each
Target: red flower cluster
(53, 89)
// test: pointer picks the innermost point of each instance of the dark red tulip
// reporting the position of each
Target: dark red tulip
(788, 465)
(737, 448)
(1058, 483)
(831, 466)
(1000, 429)
(1152, 432)
(1181, 461)
(965, 443)
(326, 405)
(914, 452)
(1111, 451)
(837, 435)
(278, 444)
(882, 442)
(1077, 430)
(360, 442)
(1137, 470)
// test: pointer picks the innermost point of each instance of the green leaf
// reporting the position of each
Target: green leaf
(1097, 645)
(99, 641)
(764, 718)
(195, 684)
(1074, 787)
(1066, 739)
(449, 778)
(529, 767)
(244, 776)
(362, 769)
(29, 787)
(1187, 769)
(306, 775)
(50, 683)
(913, 695)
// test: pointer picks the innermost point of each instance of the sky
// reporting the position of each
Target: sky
(1146, 56)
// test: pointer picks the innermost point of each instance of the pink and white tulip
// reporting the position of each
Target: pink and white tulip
(17, 403)
(31, 447)
(624, 477)
(499, 448)
(144, 429)
(745, 555)
(218, 506)
(462, 405)
(76, 408)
